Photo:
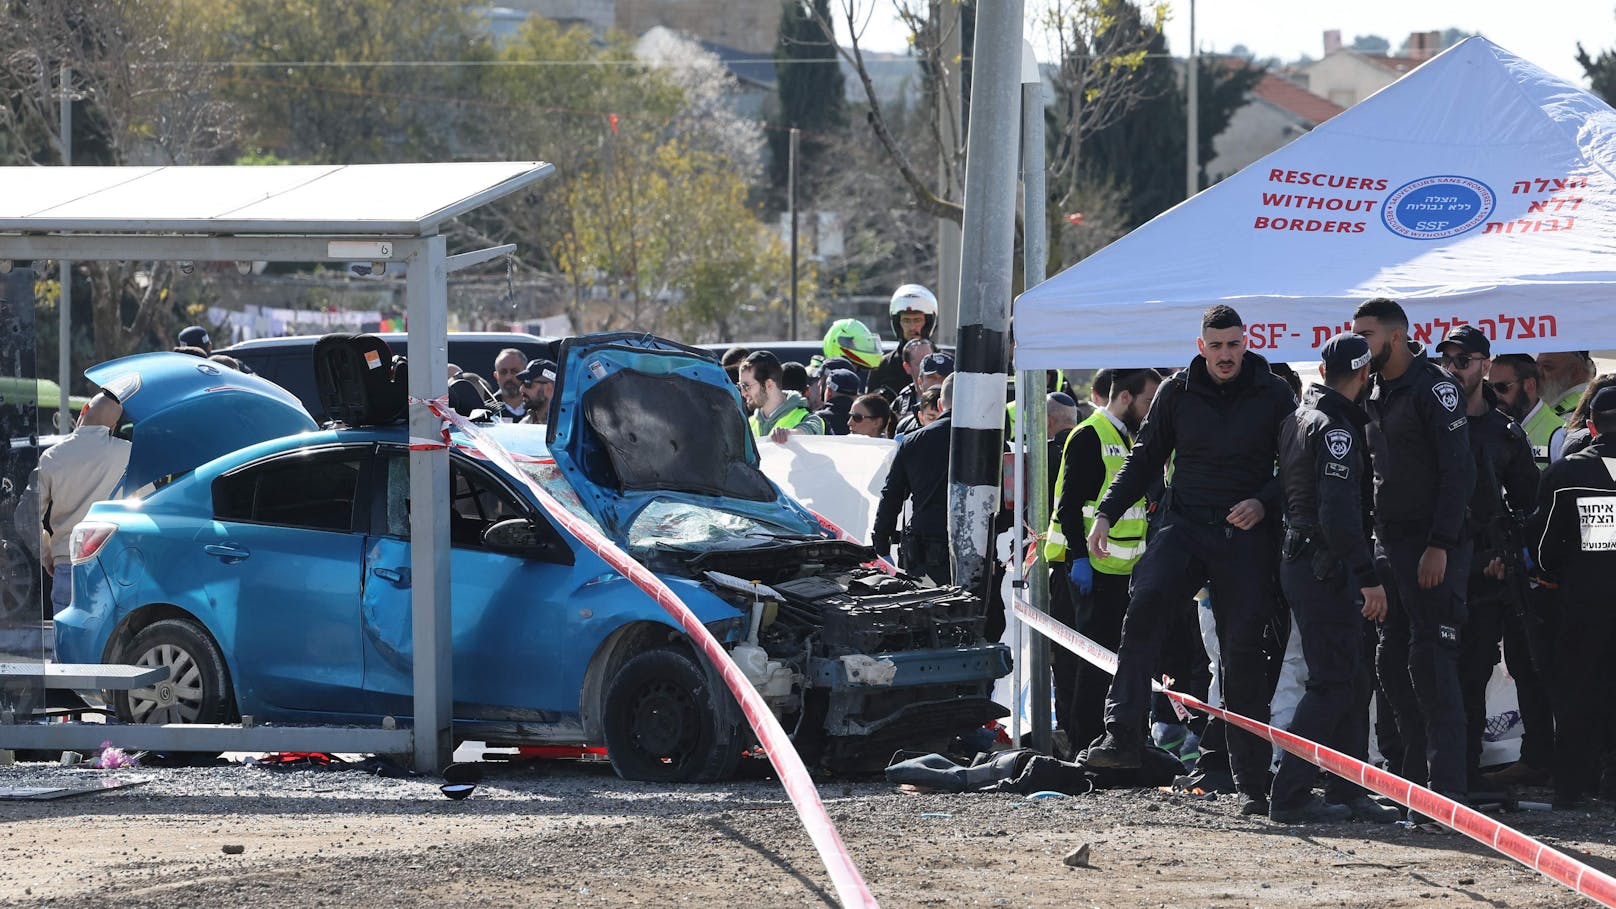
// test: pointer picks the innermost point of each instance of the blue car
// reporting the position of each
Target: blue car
(269, 570)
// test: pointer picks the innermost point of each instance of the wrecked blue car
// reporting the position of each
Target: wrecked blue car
(269, 570)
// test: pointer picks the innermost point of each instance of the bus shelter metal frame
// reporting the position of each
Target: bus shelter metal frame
(423, 250)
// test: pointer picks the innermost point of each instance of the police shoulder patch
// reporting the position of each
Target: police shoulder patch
(1448, 394)
(1339, 441)
(1338, 471)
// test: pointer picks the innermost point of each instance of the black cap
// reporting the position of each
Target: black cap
(195, 336)
(1604, 401)
(937, 364)
(1469, 339)
(825, 366)
(537, 371)
(842, 381)
(1346, 352)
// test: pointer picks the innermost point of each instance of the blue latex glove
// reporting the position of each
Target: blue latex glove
(1081, 576)
(1526, 560)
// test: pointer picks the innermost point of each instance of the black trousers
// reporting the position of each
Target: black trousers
(1418, 662)
(1334, 710)
(1485, 606)
(1238, 564)
(1079, 687)
(927, 556)
(1528, 653)
(1585, 669)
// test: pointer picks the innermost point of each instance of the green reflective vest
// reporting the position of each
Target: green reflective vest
(789, 421)
(1127, 536)
(1540, 426)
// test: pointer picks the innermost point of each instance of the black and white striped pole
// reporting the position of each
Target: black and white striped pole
(986, 267)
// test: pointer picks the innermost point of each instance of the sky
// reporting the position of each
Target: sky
(1545, 33)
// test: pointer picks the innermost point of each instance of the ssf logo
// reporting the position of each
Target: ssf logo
(1435, 208)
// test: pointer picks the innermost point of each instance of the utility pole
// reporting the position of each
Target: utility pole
(986, 265)
(1031, 407)
(949, 127)
(64, 270)
(791, 203)
(1192, 115)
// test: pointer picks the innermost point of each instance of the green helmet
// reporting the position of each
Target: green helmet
(850, 338)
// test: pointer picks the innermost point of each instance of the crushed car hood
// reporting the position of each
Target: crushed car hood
(639, 419)
(188, 411)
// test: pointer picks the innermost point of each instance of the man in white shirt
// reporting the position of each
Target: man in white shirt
(74, 474)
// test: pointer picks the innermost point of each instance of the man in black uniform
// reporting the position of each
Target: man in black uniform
(919, 471)
(1326, 566)
(1505, 493)
(1573, 538)
(1423, 477)
(1219, 421)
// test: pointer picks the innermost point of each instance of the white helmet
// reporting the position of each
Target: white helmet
(914, 298)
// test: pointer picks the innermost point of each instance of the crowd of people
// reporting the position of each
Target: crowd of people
(1409, 512)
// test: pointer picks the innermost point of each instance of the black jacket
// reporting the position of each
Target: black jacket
(919, 471)
(1225, 438)
(1506, 475)
(889, 374)
(1575, 441)
(1424, 471)
(1324, 471)
(834, 413)
(1573, 532)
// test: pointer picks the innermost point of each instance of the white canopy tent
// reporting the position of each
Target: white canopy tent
(1478, 188)
(369, 213)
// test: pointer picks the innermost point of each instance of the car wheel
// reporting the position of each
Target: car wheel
(665, 722)
(197, 689)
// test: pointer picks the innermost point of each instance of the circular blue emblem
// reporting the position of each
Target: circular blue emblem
(1434, 208)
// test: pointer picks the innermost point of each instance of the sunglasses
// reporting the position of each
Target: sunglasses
(1504, 387)
(861, 417)
(1462, 361)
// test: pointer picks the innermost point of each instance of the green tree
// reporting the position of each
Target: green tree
(810, 86)
(352, 82)
(1601, 72)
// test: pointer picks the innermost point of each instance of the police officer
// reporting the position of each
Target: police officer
(1091, 595)
(919, 471)
(1326, 566)
(1424, 474)
(1219, 422)
(1573, 537)
(1505, 493)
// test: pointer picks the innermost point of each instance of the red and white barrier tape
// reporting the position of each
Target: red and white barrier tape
(1549, 862)
(841, 534)
(849, 884)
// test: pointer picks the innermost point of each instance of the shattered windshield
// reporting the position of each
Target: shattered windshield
(682, 525)
(549, 476)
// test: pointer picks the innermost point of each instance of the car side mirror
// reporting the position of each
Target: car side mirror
(526, 539)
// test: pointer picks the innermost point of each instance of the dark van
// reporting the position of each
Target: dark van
(289, 361)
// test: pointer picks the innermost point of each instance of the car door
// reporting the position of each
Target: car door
(506, 653)
(291, 555)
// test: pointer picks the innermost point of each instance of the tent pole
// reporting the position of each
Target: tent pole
(1032, 423)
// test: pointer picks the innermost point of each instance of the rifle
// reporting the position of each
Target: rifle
(1504, 536)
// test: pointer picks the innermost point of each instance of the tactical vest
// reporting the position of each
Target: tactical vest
(789, 421)
(1540, 427)
(1127, 536)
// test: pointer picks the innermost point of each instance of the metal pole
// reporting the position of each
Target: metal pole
(1192, 116)
(64, 270)
(431, 636)
(950, 125)
(791, 202)
(1033, 429)
(986, 265)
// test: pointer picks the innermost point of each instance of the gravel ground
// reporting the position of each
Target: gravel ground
(568, 834)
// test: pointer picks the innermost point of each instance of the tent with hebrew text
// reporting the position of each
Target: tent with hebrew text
(1478, 188)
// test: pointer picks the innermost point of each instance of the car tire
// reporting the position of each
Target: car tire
(198, 687)
(666, 722)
